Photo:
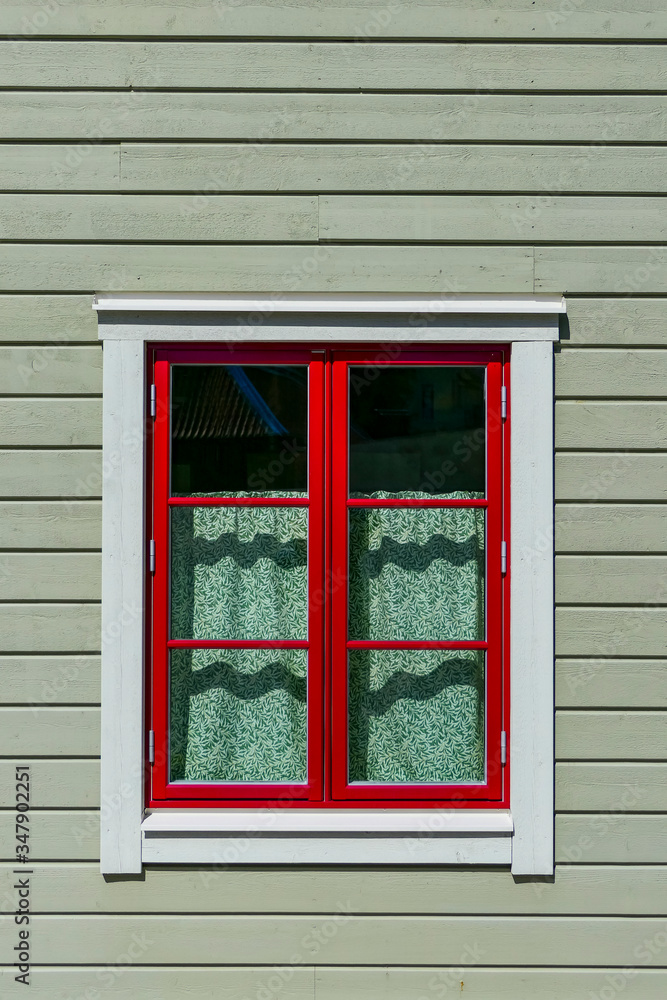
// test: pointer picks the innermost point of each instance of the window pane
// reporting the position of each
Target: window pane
(417, 428)
(416, 573)
(416, 716)
(239, 572)
(238, 427)
(238, 715)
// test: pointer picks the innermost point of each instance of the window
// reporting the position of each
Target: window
(328, 592)
(361, 493)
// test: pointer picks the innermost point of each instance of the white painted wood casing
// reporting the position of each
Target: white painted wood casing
(523, 837)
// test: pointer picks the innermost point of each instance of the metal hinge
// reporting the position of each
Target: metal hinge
(151, 747)
(151, 556)
(153, 402)
(503, 558)
(503, 402)
(503, 747)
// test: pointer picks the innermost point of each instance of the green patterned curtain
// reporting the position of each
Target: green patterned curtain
(239, 573)
(416, 574)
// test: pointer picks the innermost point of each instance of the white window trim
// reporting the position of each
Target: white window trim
(523, 836)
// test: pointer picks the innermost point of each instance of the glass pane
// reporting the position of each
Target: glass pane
(416, 573)
(239, 573)
(238, 428)
(238, 715)
(420, 428)
(416, 715)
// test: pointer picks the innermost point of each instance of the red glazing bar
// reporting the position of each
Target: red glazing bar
(413, 644)
(237, 644)
(238, 501)
(412, 502)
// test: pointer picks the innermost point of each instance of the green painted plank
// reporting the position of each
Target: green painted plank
(279, 268)
(51, 628)
(50, 576)
(41, 422)
(611, 373)
(51, 369)
(362, 64)
(594, 19)
(176, 116)
(52, 473)
(611, 528)
(207, 168)
(65, 732)
(61, 982)
(54, 835)
(601, 270)
(605, 683)
(611, 787)
(50, 680)
(416, 218)
(485, 218)
(601, 632)
(612, 321)
(60, 525)
(72, 888)
(611, 579)
(488, 984)
(31, 166)
(610, 425)
(615, 838)
(156, 217)
(54, 784)
(611, 736)
(611, 476)
(55, 319)
(371, 940)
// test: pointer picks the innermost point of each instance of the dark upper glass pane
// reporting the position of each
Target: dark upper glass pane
(239, 428)
(417, 429)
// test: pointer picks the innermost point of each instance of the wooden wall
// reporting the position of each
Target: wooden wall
(442, 146)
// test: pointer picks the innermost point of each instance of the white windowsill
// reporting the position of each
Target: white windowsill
(349, 836)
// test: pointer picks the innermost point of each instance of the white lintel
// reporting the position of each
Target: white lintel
(296, 302)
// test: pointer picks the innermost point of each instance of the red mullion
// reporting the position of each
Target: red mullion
(316, 574)
(494, 579)
(161, 458)
(339, 569)
(332, 583)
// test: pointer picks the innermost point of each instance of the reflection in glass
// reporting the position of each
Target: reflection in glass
(416, 573)
(238, 428)
(238, 715)
(239, 572)
(416, 716)
(418, 428)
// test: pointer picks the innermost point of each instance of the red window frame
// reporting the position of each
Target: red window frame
(327, 644)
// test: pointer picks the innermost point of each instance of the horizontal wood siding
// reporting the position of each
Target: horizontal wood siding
(477, 19)
(433, 146)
